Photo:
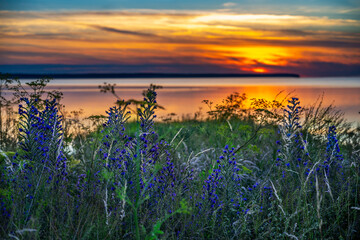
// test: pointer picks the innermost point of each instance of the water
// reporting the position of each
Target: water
(184, 96)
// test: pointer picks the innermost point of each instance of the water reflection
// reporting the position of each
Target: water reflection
(187, 99)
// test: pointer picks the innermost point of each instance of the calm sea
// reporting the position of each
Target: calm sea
(183, 96)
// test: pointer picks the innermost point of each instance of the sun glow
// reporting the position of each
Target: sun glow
(259, 70)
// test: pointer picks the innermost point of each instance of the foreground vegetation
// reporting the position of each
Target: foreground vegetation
(269, 172)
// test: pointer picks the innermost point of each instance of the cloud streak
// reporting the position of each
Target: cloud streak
(126, 32)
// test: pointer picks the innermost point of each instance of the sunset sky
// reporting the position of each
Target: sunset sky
(308, 37)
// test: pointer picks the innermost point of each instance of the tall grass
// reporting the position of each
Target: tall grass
(263, 173)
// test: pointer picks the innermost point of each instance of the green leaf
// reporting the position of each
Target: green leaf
(246, 170)
(153, 235)
(107, 175)
(158, 167)
(184, 208)
(254, 148)
(5, 193)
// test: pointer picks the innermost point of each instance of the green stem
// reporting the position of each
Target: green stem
(136, 224)
(137, 195)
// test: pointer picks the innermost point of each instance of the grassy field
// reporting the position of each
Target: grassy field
(275, 171)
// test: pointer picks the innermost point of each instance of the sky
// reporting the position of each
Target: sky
(308, 37)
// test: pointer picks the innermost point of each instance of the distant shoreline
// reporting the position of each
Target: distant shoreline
(149, 75)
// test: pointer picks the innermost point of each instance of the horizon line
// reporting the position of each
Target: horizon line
(148, 75)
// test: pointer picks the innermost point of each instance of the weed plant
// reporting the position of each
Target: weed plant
(262, 173)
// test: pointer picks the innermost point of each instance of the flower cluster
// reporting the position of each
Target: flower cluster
(334, 159)
(41, 137)
(292, 116)
(158, 176)
(292, 152)
(224, 187)
(146, 112)
(115, 143)
(143, 159)
(39, 165)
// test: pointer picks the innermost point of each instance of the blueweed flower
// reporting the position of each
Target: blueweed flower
(224, 187)
(39, 163)
(291, 151)
(120, 155)
(334, 159)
